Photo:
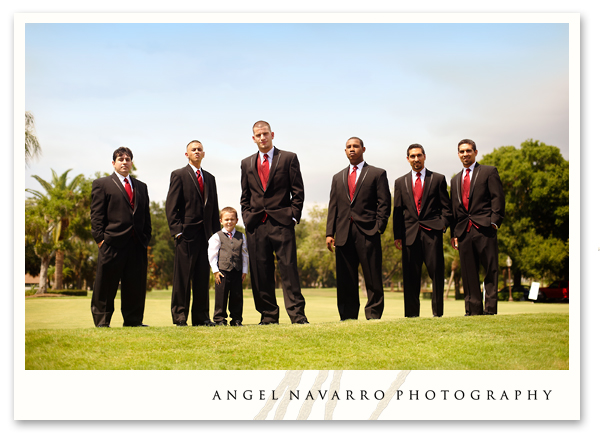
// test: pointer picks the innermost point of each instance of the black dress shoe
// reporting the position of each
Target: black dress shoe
(205, 323)
(104, 325)
(302, 322)
(181, 323)
(220, 323)
(236, 323)
(268, 323)
(141, 325)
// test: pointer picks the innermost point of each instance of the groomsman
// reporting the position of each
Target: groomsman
(193, 215)
(478, 209)
(421, 216)
(272, 200)
(359, 208)
(120, 214)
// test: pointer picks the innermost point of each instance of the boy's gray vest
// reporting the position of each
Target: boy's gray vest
(230, 253)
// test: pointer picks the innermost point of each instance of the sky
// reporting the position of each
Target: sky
(154, 87)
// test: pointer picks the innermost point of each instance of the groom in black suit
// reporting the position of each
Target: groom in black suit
(359, 208)
(193, 214)
(421, 216)
(272, 200)
(121, 227)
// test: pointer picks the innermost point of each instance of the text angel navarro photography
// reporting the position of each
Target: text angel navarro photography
(400, 395)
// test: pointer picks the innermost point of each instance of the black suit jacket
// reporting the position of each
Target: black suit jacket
(187, 210)
(435, 206)
(370, 208)
(113, 219)
(284, 197)
(486, 200)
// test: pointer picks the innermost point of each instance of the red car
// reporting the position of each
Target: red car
(558, 290)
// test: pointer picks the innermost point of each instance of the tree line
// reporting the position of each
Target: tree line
(535, 231)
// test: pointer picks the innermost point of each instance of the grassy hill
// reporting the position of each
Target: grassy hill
(524, 335)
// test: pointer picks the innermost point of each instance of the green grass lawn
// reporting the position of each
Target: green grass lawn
(524, 335)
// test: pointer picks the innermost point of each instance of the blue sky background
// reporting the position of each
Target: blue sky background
(155, 87)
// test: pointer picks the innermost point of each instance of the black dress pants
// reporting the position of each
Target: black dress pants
(366, 251)
(191, 271)
(427, 248)
(129, 266)
(264, 240)
(479, 247)
(230, 289)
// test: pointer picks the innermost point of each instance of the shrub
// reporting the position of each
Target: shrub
(69, 292)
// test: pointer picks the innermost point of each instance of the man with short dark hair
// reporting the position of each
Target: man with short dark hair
(359, 208)
(478, 206)
(272, 200)
(421, 216)
(120, 215)
(193, 214)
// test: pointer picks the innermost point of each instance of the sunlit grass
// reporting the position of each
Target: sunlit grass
(60, 335)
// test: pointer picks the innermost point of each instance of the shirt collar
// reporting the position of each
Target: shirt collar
(196, 169)
(472, 168)
(359, 166)
(269, 154)
(422, 171)
(123, 179)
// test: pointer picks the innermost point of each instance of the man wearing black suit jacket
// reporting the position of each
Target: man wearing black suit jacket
(421, 216)
(120, 214)
(478, 209)
(193, 214)
(272, 200)
(359, 208)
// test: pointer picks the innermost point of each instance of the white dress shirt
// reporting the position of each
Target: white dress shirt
(351, 168)
(123, 181)
(414, 177)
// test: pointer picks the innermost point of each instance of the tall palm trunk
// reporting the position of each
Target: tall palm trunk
(58, 272)
(43, 275)
(454, 267)
(449, 283)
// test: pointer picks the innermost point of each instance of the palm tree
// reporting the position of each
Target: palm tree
(49, 216)
(32, 145)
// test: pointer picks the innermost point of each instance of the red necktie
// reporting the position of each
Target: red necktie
(200, 182)
(129, 191)
(264, 171)
(230, 234)
(418, 192)
(466, 188)
(352, 182)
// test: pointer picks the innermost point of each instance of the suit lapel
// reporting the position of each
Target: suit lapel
(134, 187)
(192, 175)
(458, 183)
(254, 160)
(274, 164)
(426, 187)
(411, 194)
(476, 170)
(361, 179)
(207, 189)
(117, 181)
(345, 173)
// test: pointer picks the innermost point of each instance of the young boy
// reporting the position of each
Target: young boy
(228, 258)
